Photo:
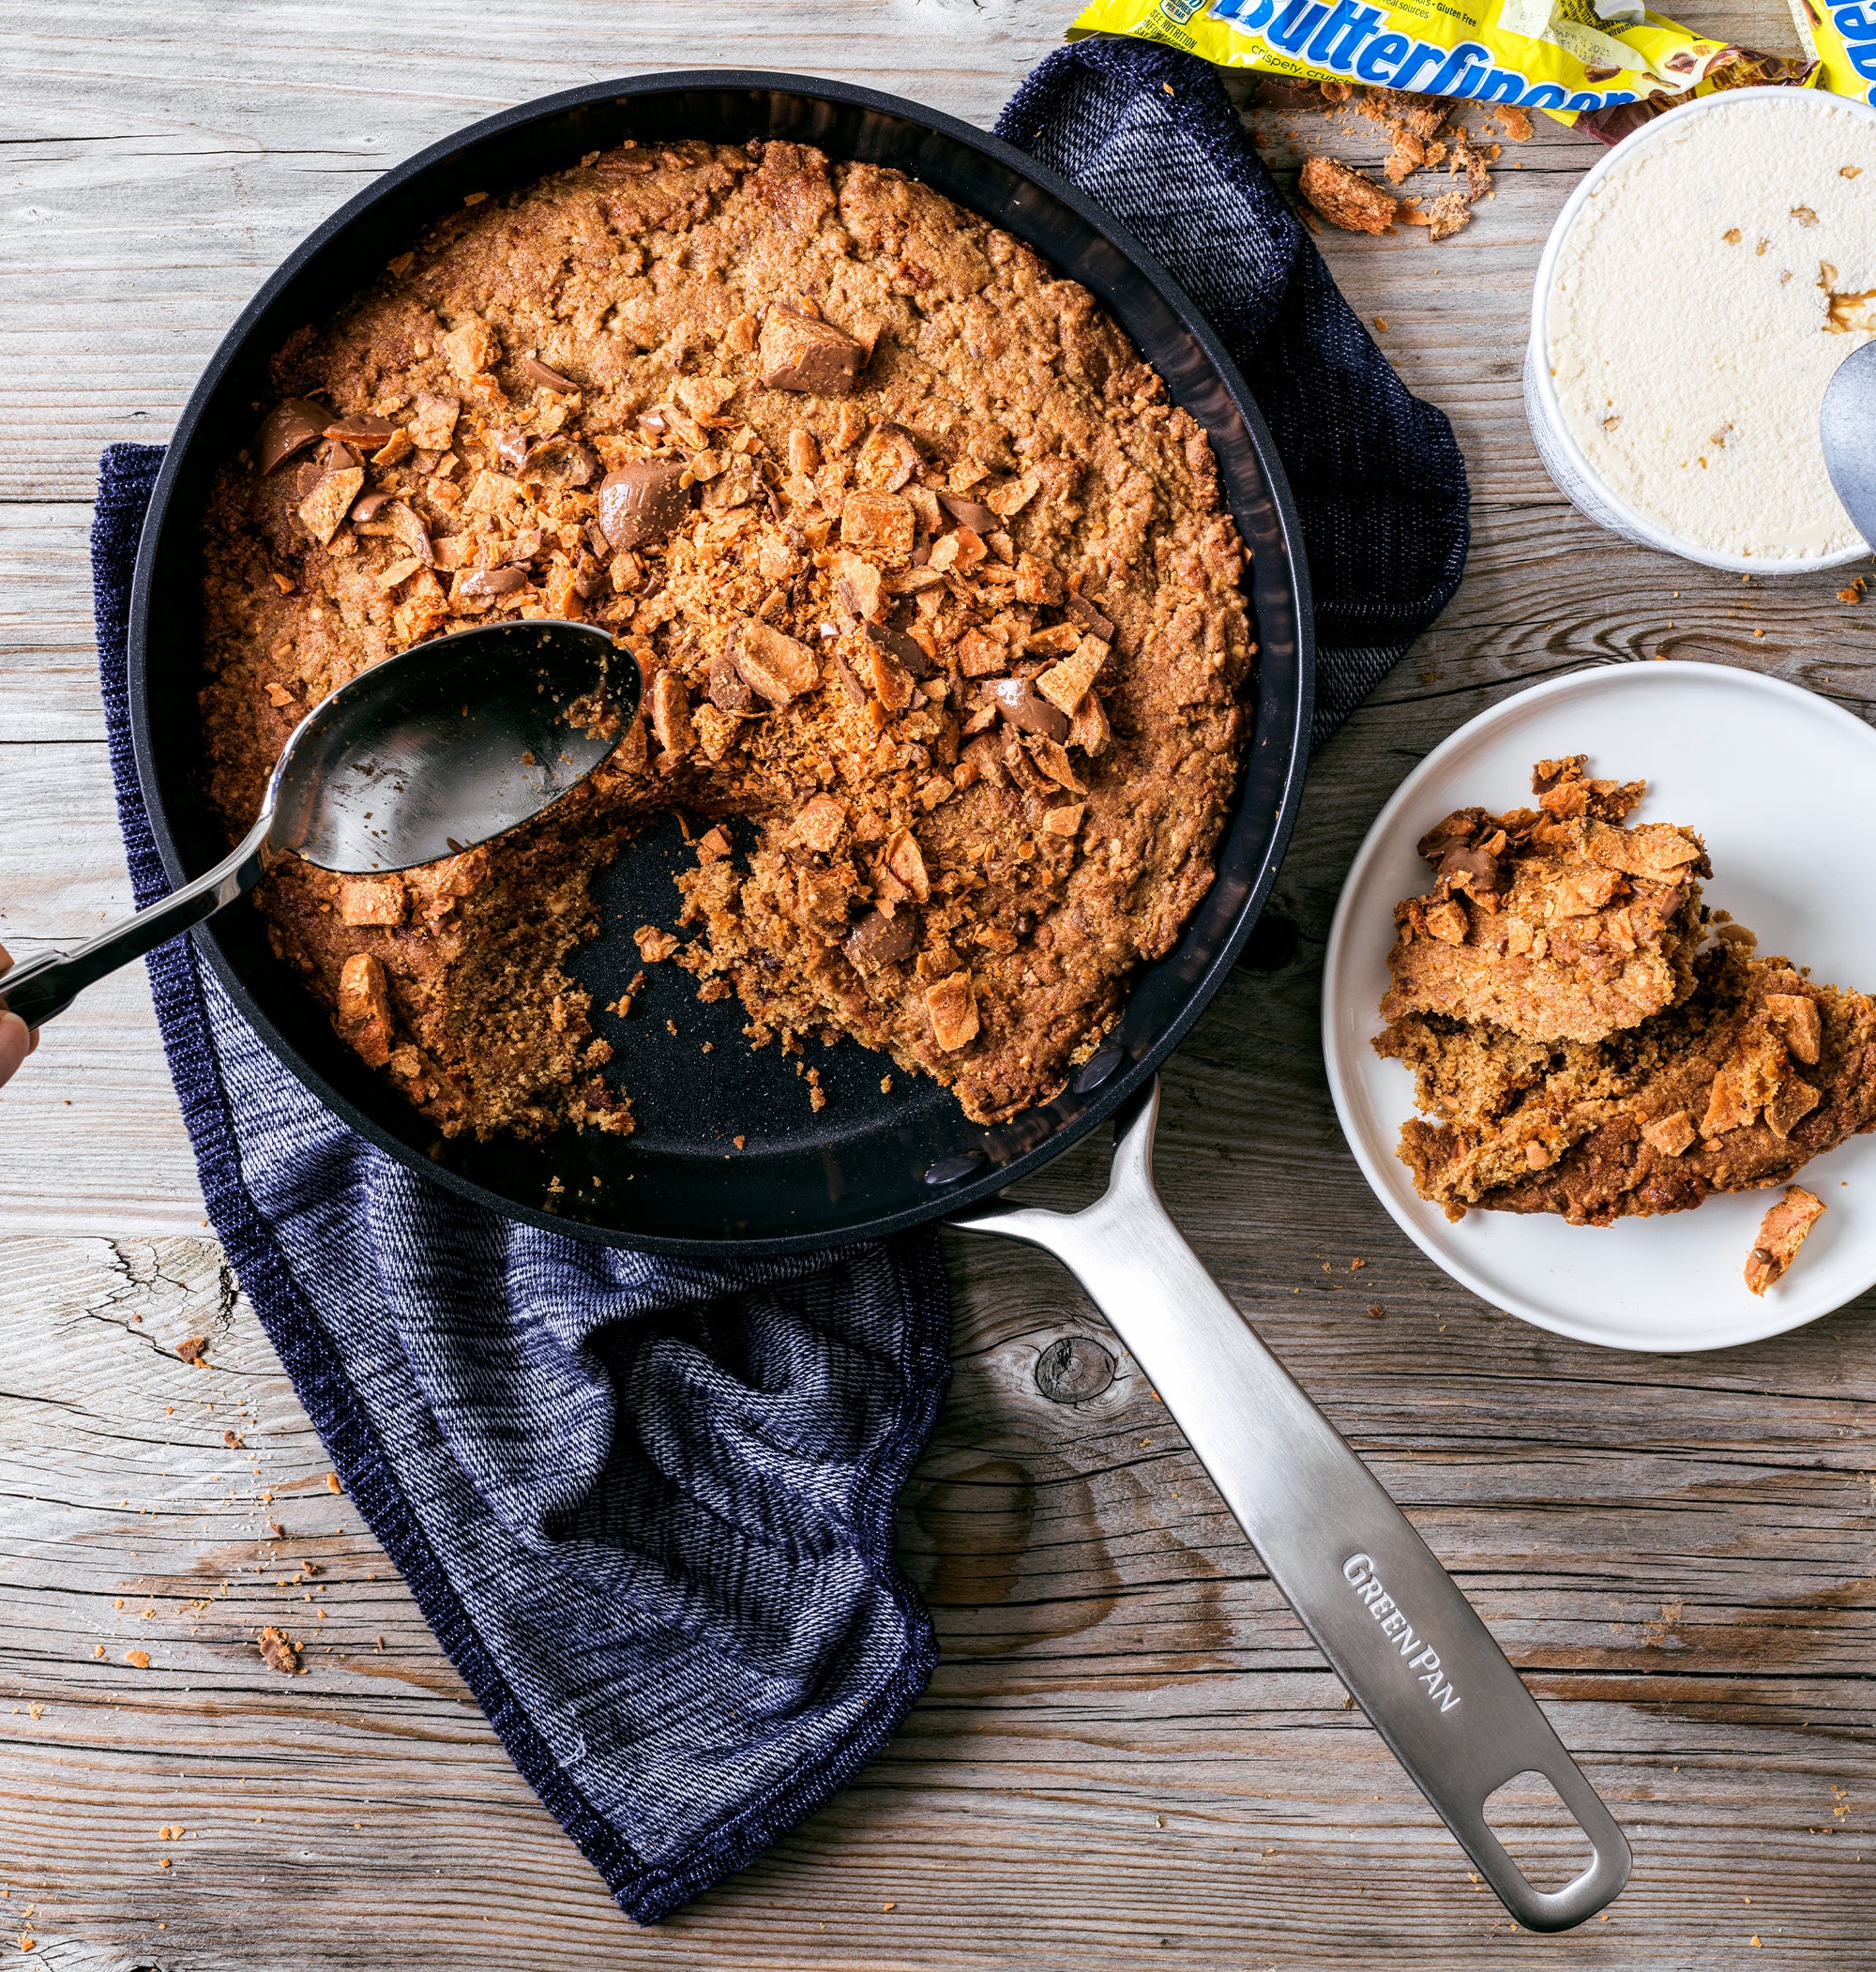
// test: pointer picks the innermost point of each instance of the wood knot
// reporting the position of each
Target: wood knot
(1273, 944)
(1072, 1369)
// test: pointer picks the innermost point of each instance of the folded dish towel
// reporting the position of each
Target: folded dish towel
(645, 1505)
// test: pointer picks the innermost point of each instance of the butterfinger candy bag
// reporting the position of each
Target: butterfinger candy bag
(1560, 55)
(1842, 41)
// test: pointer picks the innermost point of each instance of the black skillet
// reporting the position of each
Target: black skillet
(872, 1162)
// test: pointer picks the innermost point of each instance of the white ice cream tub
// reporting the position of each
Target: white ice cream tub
(1564, 457)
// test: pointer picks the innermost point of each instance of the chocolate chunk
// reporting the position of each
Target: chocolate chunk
(878, 940)
(815, 358)
(511, 447)
(968, 514)
(366, 509)
(643, 502)
(1470, 867)
(287, 429)
(537, 372)
(857, 692)
(1086, 613)
(563, 462)
(486, 585)
(908, 650)
(729, 689)
(371, 431)
(1460, 826)
(595, 538)
(1020, 703)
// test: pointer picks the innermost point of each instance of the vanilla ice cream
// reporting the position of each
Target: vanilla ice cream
(1710, 281)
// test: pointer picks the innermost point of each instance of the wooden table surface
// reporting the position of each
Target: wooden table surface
(1130, 1755)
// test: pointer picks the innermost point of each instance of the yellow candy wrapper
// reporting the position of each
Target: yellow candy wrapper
(1841, 40)
(1742, 68)
(1558, 56)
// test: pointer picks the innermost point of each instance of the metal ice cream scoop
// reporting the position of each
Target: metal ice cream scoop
(1848, 429)
(446, 745)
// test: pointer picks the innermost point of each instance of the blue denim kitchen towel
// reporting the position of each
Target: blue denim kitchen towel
(1150, 133)
(646, 1505)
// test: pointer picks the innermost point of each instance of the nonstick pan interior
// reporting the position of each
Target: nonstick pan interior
(871, 1162)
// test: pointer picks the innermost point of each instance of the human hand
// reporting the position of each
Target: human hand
(15, 1042)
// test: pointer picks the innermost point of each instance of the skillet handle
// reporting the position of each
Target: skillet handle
(1407, 1645)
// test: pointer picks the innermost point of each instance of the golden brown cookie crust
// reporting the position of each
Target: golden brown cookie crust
(927, 578)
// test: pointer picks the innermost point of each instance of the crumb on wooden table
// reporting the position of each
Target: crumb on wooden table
(279, 1651)
(1344, 197)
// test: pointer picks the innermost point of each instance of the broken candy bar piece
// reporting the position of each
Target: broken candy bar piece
(1344, 197)
(1781, 1233)
(815, 358)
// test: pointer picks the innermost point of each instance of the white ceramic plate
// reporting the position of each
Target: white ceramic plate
(1782, 786)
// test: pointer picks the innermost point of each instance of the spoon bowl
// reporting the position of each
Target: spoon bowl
(414, 761)
(444, 746)
(1847, 426)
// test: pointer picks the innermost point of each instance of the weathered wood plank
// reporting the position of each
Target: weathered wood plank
(48, 660)
(1130, 1738)
(1130, 1754)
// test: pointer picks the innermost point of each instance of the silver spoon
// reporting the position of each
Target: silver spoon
(1847, 425)
(446, 745)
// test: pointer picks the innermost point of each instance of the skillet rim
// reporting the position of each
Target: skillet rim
(1284, 709)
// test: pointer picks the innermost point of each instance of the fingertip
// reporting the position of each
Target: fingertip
(16, 1043)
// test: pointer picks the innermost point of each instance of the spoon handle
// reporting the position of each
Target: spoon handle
(39, 987)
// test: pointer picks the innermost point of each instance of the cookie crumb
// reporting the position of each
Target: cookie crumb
(1781, 1231)
(279, 1651)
